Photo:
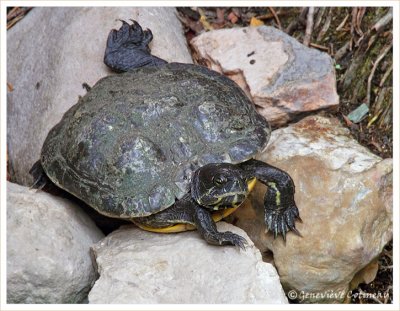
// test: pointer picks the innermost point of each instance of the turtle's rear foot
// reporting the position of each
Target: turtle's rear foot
(127, 48)
(40, 178)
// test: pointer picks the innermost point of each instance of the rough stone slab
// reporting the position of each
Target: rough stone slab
(284, 78)
(344, 195)
(48, 248)
(136, 266)
(52, 51)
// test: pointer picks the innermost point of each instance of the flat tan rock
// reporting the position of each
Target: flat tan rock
(284, 78)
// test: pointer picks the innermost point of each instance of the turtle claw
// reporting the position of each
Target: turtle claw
(295, 231)
(282, 220)
(128, 48)
(230, 238)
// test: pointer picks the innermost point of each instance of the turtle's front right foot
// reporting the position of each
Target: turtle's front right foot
(281, 212)
(208, 230)
(128, 48)
(225, 238)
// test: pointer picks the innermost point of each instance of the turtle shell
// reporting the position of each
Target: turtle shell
(128, 148)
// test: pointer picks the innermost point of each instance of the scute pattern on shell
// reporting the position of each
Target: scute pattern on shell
(129, 147)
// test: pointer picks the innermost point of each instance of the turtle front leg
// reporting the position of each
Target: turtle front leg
(280, 208)
(208, 230)
(128, 48)
(187, 211)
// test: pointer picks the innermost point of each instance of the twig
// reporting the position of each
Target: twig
(319, 16)
(386, 117)
(326, 26)
(14, 12)
(276, 17)
(388, 253)
(270, 15)
(342, 23)
(360, 15)
(378, 60)
(342, 51)
(378, 105)
(383, 21)
(309, 27)
(332, 50)
(364, 294)
(386, 295)
(386, 267)
(14, 21)
(15, 15)
(321, 47)
(375, 144)
(386, 75)
(352, 26)
(371, 36)
(293, 25)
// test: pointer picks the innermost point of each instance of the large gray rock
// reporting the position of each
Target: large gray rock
(344, 195)
(47, 67)
(136, 266)
(48, 248)
(284, 78)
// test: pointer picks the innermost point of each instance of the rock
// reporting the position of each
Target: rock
(48, 248)
(136, 266)
(48, 66)
(344, 195)
(284, 78)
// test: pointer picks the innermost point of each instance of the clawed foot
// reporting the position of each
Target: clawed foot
(282, 220)
(227, 238)
(128, 48)
(129, 36)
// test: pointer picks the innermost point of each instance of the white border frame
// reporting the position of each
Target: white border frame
(396, 140)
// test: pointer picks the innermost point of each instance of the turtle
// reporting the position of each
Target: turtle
(168, 146)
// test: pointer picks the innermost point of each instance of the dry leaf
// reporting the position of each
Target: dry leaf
(255, 22)
(233, 18)
(10, 87)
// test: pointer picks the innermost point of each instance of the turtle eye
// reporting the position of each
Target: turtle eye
(219, 180)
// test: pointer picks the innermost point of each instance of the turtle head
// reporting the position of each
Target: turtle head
(219, 185)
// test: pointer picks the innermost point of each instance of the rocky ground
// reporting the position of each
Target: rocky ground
(346, 34)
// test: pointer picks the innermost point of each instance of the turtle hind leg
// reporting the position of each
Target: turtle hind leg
(40, 179)
(128, 48)
(177, 218)
(42, 182)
